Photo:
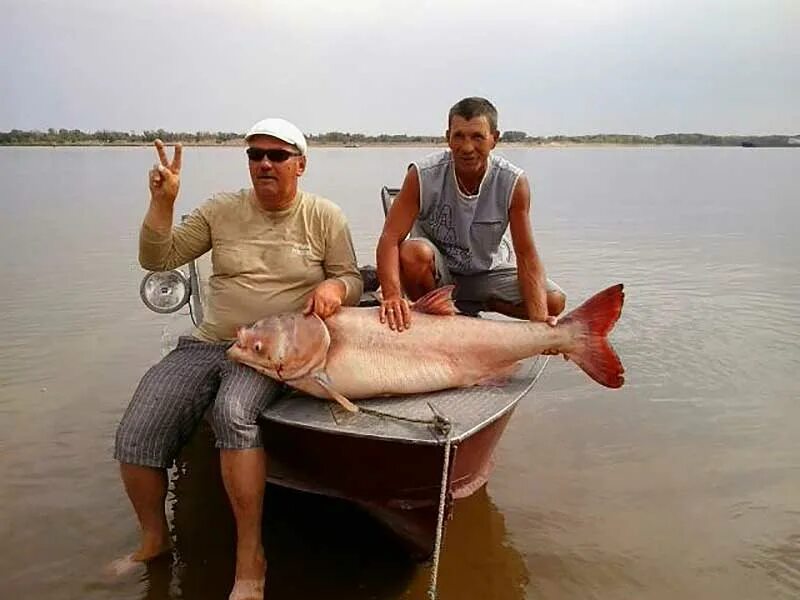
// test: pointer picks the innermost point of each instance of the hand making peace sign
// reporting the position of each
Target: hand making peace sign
(165, 178)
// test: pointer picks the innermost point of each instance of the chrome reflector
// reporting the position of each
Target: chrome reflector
(164, 291)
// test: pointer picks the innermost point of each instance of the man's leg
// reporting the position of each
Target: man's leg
(556, 300)
(422, 268)
(166, 408)
(244, 473)
(147, 490)
(243, 396)
(498, 291)
(417, 271)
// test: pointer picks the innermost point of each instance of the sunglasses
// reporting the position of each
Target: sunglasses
(275, 155)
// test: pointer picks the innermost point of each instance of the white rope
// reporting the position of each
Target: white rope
(440, 521)
(538, 374)
(437, 548)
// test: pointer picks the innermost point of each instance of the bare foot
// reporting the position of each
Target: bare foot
(131, 562)
(250, 577)
(247, 589)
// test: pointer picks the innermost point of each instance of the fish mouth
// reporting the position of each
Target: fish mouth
(262, 369)
(243, 359)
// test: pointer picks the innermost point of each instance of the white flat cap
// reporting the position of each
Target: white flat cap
(281, 129)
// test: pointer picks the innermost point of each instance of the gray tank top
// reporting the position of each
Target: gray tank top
(471, 232)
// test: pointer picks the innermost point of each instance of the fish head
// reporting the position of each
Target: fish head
(284, 347)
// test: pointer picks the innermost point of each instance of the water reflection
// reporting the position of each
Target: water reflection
(479, 560)
(203, 525)
(315, 546)
(320, 547)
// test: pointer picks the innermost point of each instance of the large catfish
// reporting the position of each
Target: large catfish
(352, 355)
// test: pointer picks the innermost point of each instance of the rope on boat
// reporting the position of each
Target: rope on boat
(437, 547)
(547, 358)
(441, 426)
(435, 422)
(445, 430)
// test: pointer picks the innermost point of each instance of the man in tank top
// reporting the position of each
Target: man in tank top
(468, 213)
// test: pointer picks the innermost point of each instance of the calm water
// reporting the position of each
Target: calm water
(684, 484)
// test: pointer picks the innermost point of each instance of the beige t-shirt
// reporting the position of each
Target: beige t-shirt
(263, 262)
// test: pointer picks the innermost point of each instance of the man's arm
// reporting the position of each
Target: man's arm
(162, 247)
(343, 284)
(341, 264)
(180, 244)
(164, 181)
(399, 221)
(530, 271)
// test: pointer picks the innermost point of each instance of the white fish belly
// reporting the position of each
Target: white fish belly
(360, 373)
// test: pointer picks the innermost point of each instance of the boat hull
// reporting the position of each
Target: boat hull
(396, 481)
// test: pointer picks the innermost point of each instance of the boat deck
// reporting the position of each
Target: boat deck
(466, 409)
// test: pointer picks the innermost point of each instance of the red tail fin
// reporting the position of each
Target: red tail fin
(592, 352)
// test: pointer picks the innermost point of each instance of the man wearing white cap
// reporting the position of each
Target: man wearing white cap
(274, 248)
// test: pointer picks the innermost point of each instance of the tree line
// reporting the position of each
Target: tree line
(105, 136)
(17, 137)
(688, 139)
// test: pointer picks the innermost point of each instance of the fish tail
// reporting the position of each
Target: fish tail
(592, 351)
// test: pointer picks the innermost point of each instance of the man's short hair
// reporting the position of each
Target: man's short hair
(472, 107)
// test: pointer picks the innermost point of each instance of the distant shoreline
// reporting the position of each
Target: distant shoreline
(409, 144)
(342, 139)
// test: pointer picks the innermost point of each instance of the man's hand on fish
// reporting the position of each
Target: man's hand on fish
(165, 178)
(397, 312)
(326, 298)
(552, 321)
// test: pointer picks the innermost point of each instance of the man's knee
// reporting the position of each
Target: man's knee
(416, 259)
(556, 301)
(165, 408)
(235, 424)
(241, 399)
(145, 438)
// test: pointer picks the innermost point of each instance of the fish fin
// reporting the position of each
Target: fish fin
(325, 381)
(593, 352)
(341, 415)
(500, 377)
(437, 302)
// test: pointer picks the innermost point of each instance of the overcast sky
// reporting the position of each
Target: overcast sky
(551, 67)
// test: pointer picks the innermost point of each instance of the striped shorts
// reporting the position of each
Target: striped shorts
(175, 394)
